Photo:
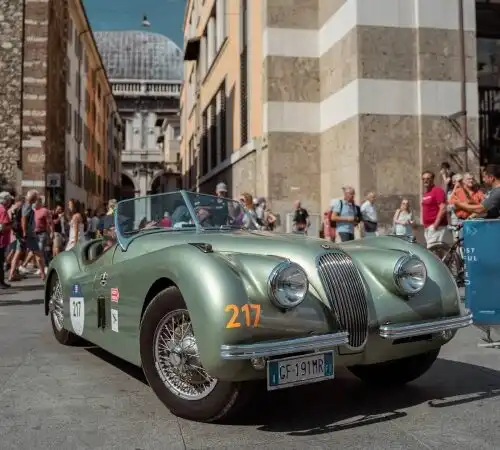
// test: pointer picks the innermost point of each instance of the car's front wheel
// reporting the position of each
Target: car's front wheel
(56, 312)
(171, 363)
(396, 372)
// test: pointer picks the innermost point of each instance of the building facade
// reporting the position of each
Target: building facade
(32, 53)
(93, 127)
(145, 71)
(43, 107)
(293, 100)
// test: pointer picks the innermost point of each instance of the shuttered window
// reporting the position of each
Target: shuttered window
(222, 121)
(213, 133)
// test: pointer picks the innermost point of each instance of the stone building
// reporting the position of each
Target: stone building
(293, 100)
(93, 125)
(145, 71)
(36, 123)
(32, 71)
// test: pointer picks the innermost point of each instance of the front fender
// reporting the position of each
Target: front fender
(66, 265)
(439, 298)
(215, 287)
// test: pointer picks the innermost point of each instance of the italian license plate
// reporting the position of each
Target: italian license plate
(287, 372)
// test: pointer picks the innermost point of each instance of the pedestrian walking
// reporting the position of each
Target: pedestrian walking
(434, 212)
(403, 220)
(5, 230)
(300, 220)
(369, 215)
(76, 224)
(26, 240)
(345, 215)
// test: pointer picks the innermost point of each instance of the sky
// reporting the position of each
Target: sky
(165, 16)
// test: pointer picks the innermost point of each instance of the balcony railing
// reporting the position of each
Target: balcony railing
(143, 155)
(135, 88)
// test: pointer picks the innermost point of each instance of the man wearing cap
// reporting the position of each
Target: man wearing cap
(5, 228)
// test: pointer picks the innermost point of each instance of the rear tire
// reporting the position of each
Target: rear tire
(56, 312)
(171, 375)
(397, 372)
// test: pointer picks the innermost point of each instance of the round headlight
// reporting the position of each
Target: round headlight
(288, 285)
(410, 274)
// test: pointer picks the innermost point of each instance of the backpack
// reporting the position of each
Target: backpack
(357, 214)
(16, 221)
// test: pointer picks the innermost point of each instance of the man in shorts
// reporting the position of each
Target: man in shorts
(26, 240)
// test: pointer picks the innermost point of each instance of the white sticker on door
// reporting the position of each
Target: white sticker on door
(77, 309)
(114, 320)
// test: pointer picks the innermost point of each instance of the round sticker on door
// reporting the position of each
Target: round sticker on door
(77, 309)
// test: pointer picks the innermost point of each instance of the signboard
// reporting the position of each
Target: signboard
(53, 180)
(482, 269)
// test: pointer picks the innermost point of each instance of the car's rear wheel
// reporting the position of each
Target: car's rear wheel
(397, 372)
(172, 365)
(56, 312)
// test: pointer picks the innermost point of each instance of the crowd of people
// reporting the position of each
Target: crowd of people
(31, 234)
(449, 200)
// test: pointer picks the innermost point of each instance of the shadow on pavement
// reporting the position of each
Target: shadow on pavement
(124, 366)
(347, 403)
(24, 288)
(37, 301)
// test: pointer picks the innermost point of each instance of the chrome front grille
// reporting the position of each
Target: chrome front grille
(346, 292)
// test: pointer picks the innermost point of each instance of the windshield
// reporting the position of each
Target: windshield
(181, 210)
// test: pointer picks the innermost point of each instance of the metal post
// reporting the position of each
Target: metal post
(463, 83)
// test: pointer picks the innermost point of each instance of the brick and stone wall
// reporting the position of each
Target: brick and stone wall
(11, 63)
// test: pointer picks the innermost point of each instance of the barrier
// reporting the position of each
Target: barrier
(482, 270)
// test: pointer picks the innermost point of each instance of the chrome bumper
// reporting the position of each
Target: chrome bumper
(283, 347)
(405, 330)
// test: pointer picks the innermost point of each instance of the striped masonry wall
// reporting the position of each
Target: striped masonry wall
(354, 91)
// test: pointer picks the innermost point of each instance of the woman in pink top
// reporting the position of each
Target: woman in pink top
(5, 229)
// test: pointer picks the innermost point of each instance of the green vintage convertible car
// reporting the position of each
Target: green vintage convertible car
(211, 307)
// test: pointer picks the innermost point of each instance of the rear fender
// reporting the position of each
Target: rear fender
(66, 265)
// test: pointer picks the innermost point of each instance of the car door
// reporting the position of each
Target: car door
(109, 307)
(87, 280)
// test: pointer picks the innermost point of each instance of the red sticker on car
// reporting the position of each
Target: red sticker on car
(115, 295)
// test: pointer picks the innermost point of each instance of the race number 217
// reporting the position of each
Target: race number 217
(77, 306)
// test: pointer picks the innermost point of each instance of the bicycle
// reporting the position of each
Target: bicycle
(452, 256)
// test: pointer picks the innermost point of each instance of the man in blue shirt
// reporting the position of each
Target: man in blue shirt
(345, 215)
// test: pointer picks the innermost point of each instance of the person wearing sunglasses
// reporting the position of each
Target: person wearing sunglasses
(434, 211)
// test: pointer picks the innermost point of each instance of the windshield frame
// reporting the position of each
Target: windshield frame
(124, 241)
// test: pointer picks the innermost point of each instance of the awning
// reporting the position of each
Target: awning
(192, 49)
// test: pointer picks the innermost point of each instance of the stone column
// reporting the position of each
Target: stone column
(291, 96)
(389, 72)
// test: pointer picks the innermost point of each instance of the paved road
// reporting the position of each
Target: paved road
(54, 397)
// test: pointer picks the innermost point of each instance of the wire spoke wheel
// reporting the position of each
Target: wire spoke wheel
(177, 360)
(56, 305)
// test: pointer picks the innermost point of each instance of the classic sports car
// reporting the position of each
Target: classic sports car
(210, 309)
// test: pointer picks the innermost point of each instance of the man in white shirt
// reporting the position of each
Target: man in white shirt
(369, 215)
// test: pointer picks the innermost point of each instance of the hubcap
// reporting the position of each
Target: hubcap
(177, 360)
(56, 305)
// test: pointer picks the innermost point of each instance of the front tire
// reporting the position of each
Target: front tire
(56, 312)
(171, 364)
(397, 372)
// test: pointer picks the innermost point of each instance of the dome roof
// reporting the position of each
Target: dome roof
(140, 55)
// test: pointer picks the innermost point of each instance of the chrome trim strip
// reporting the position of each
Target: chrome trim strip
(283, 347)
(405, 330)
